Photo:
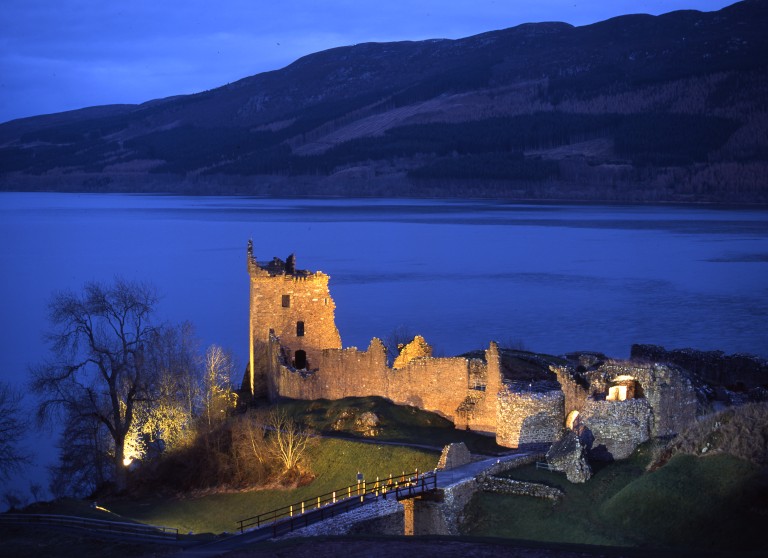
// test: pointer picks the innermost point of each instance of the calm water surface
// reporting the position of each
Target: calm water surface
(550, 278)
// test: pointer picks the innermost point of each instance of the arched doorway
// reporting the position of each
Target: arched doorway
(573, 420)
(300, 360)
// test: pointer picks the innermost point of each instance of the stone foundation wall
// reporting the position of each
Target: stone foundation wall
(513, 487)
(384, 517)
(613, 429)
(529, 418)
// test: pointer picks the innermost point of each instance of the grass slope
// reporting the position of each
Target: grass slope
(334, 462)
(715, 502)
(397, 423)
(718, 501)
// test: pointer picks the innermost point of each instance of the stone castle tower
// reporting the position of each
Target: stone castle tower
(295, 306)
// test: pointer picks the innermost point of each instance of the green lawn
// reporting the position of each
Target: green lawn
(335, 464)
(717, 502)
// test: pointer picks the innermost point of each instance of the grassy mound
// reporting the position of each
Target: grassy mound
(334, 462)
(717, 502)
(574, 519)
(396, 423)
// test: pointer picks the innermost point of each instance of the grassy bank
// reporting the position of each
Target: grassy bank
(397, 423)
(716, 502)
(334, 462)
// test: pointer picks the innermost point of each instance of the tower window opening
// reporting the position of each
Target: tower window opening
(299, 329)
(286, 301)
(300, 360)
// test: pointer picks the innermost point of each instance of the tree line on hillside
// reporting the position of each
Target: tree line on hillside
(140, 406)
(647, 139)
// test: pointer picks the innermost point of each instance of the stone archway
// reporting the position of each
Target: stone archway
(572, 421)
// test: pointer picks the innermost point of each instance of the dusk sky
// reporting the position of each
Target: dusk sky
(58, 55)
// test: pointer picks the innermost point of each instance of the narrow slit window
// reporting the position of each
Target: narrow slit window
(299, 329)
(286, 301)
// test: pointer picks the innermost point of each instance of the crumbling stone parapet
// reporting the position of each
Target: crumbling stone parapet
(418, 348)
(454, 455)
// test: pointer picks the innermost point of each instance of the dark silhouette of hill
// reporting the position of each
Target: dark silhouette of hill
(638, 107)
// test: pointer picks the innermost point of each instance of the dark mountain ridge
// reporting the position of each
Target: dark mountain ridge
(638, 107)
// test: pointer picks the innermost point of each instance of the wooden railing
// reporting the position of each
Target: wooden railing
(115, 528)
(317, 508)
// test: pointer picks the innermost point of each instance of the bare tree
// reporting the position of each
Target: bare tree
(251, 458)
(85, 463)
(11, 431)
(37, 491)
(288, 440)
(217, 384)
(99, 370)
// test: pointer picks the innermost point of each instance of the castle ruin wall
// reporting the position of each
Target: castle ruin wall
(613, 429)
(529, 417)
(439, 385)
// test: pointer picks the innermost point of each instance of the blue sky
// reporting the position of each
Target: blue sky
(58, 55)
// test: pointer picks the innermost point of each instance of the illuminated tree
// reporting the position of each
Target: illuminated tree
(288, 441)
(11, 431)
(99, 371)
(164, 422)
(217, 385)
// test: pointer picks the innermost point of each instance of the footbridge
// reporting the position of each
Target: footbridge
(306, 512)
(420, 493)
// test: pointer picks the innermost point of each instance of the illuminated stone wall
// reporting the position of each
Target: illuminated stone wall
(575, 393)
(296, 306)
(529, 417)
(439, 385)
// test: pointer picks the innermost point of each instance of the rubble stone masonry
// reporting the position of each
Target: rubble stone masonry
(529, 417)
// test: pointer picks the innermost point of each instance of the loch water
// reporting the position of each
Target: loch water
(548, 278)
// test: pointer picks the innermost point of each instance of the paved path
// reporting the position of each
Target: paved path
(444, 479)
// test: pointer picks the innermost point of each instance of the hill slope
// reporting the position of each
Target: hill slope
(637, 107)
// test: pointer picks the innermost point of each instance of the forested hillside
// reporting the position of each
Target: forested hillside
(636, 108)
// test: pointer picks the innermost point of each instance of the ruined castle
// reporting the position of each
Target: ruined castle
(296, 352)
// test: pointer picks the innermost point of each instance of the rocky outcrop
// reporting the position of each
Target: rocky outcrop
(568, 455)
(736, 371)
(454, 455)
(367, 424)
